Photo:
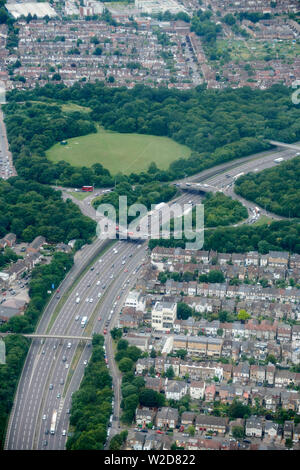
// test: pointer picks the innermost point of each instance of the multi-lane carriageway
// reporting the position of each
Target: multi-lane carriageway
(45, 365)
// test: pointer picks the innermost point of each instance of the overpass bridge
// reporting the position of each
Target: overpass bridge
(284, 145)
(198, 188)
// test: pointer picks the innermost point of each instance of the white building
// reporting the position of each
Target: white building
(135, 300)
(175, 389)
(163, 316)
(197, 389)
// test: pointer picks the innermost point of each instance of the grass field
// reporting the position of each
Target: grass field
(124, 153)
(253, 49)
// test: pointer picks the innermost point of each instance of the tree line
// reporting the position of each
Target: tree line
(92, 403)
(277, 236)
(218, 125)
(276, 189)
(29, 209)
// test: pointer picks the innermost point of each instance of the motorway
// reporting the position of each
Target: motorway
(6, 164)
(224, 181)
(112, 275)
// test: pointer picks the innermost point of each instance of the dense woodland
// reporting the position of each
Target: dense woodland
(91, 404)
(222, 210)
(29, 209)
(276, 189)
(218, 125)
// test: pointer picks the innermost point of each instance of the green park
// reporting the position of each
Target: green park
(119, 152)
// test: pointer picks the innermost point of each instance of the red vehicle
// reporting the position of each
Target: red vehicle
(87, 188)
(104, 331)
(159, 431)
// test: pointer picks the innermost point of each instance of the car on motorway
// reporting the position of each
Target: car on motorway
(67, 366)
(85, 362)
(99, 295)
(92, 268)
(51, 387)
(58, 395)
(87, 299)
(99, 318)
(44, 417)
(47, 432)
(43, 352)
(64, 358)
(91, 301)
(98, 283)
(111, 276)
(77, 317)
(64, 432)
(62, 381)
(45, 443)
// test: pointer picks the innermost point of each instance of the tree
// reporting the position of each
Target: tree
(243, 315)
(191, 430)
(125, 364)
(98, 51)
(183, 311)
(116, 333)
(238, 410)
(289, 443)
(238, 432)
(122, 344)
(170, 373)
(151, 398)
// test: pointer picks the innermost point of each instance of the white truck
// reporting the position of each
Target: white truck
(53, 422)
(278, 160)
(83, 322)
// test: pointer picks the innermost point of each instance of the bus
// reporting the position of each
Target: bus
(53, 422)
(87, 188)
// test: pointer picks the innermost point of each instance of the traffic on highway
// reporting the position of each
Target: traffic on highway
(88, 301)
